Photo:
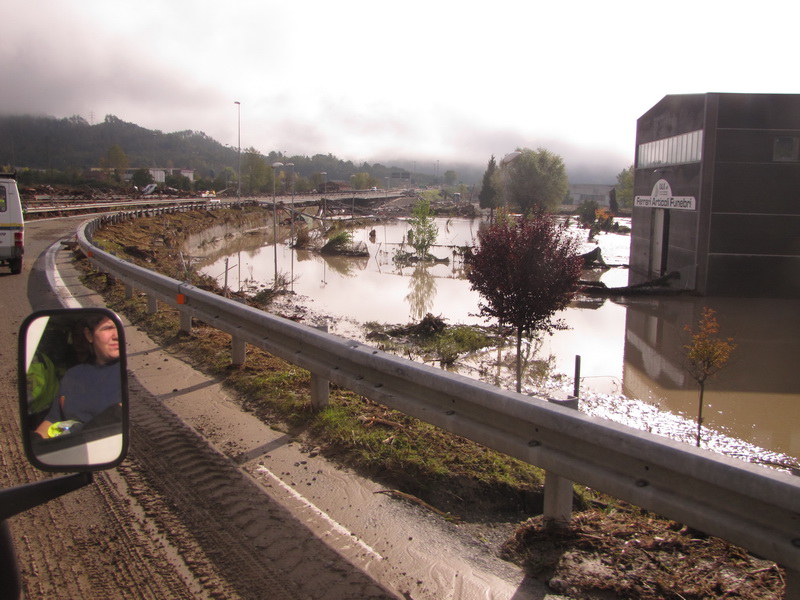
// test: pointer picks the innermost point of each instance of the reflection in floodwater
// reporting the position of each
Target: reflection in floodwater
(421, 291)
(630, 349)
(756, 397)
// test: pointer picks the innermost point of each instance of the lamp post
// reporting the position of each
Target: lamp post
(324, 193)
(239, 128)
(291, 183)
(275, 167)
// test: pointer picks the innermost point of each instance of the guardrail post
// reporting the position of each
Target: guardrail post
(320, 387)
(320, 392)
(186, 322)
(238, 351)
(128, 291)
(152, 304)
(558, 490)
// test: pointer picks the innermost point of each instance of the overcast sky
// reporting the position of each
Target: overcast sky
(418, 80)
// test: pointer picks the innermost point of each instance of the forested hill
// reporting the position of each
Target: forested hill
(74, 145)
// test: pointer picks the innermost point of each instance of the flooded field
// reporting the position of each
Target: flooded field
(631, 366)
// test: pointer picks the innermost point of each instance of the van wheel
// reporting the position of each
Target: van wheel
(16, 266)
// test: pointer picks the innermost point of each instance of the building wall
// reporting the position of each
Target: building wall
(743, 237)
(581, 192)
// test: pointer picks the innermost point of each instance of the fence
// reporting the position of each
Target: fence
(753, 507)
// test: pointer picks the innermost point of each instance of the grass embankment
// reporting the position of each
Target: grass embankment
(609, 551)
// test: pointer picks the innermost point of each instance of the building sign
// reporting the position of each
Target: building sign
(661, 197)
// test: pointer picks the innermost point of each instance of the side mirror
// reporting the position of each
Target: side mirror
(73, 389)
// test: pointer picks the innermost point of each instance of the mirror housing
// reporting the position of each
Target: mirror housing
(73, 389)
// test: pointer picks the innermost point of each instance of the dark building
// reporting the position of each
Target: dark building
(717, 194)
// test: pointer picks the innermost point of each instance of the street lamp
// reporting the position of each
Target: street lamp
(275, 167)
(291, 183)
(239, 127)
(324, 193)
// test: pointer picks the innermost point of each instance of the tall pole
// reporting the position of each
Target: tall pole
(275, 167)
(324, 193)
(291, 183)
(239, 127)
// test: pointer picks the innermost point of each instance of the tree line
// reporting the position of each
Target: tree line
(531, 180)
(72, 151)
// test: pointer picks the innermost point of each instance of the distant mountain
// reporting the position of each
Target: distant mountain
(72, 144)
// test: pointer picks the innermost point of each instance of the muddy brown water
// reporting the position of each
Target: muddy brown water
(631, 365)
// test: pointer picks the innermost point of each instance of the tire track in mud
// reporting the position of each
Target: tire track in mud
(216, 517)
(75, 546)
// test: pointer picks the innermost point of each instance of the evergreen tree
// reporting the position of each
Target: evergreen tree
(489, 195)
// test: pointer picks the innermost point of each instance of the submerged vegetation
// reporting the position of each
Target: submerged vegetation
(433, 339)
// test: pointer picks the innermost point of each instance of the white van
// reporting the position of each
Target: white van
(12, 236)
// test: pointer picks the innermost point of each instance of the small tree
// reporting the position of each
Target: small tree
(624, 187)
(489, 196)
(705, 355)
(115, 162)
(423, 228)
(256, 173)
(525, 270)
(537, 180)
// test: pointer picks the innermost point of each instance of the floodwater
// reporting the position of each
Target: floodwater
(631, 367)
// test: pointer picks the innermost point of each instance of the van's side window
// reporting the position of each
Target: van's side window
(3, 202)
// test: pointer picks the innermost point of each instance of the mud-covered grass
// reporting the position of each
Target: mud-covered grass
(618, 552)
(433, 339)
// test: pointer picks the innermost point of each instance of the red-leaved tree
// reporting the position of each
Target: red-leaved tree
(526, 270)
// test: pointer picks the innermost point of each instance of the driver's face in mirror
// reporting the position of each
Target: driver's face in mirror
(74, 388)
(104, 341)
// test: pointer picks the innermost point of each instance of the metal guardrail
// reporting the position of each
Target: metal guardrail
(753, 507)
(113, 204)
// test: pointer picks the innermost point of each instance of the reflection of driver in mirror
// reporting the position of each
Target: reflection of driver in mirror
(91, 387)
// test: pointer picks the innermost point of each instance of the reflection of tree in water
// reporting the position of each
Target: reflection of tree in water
(346, 266)
(421, 292)
(217, 248)
(500, 370)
